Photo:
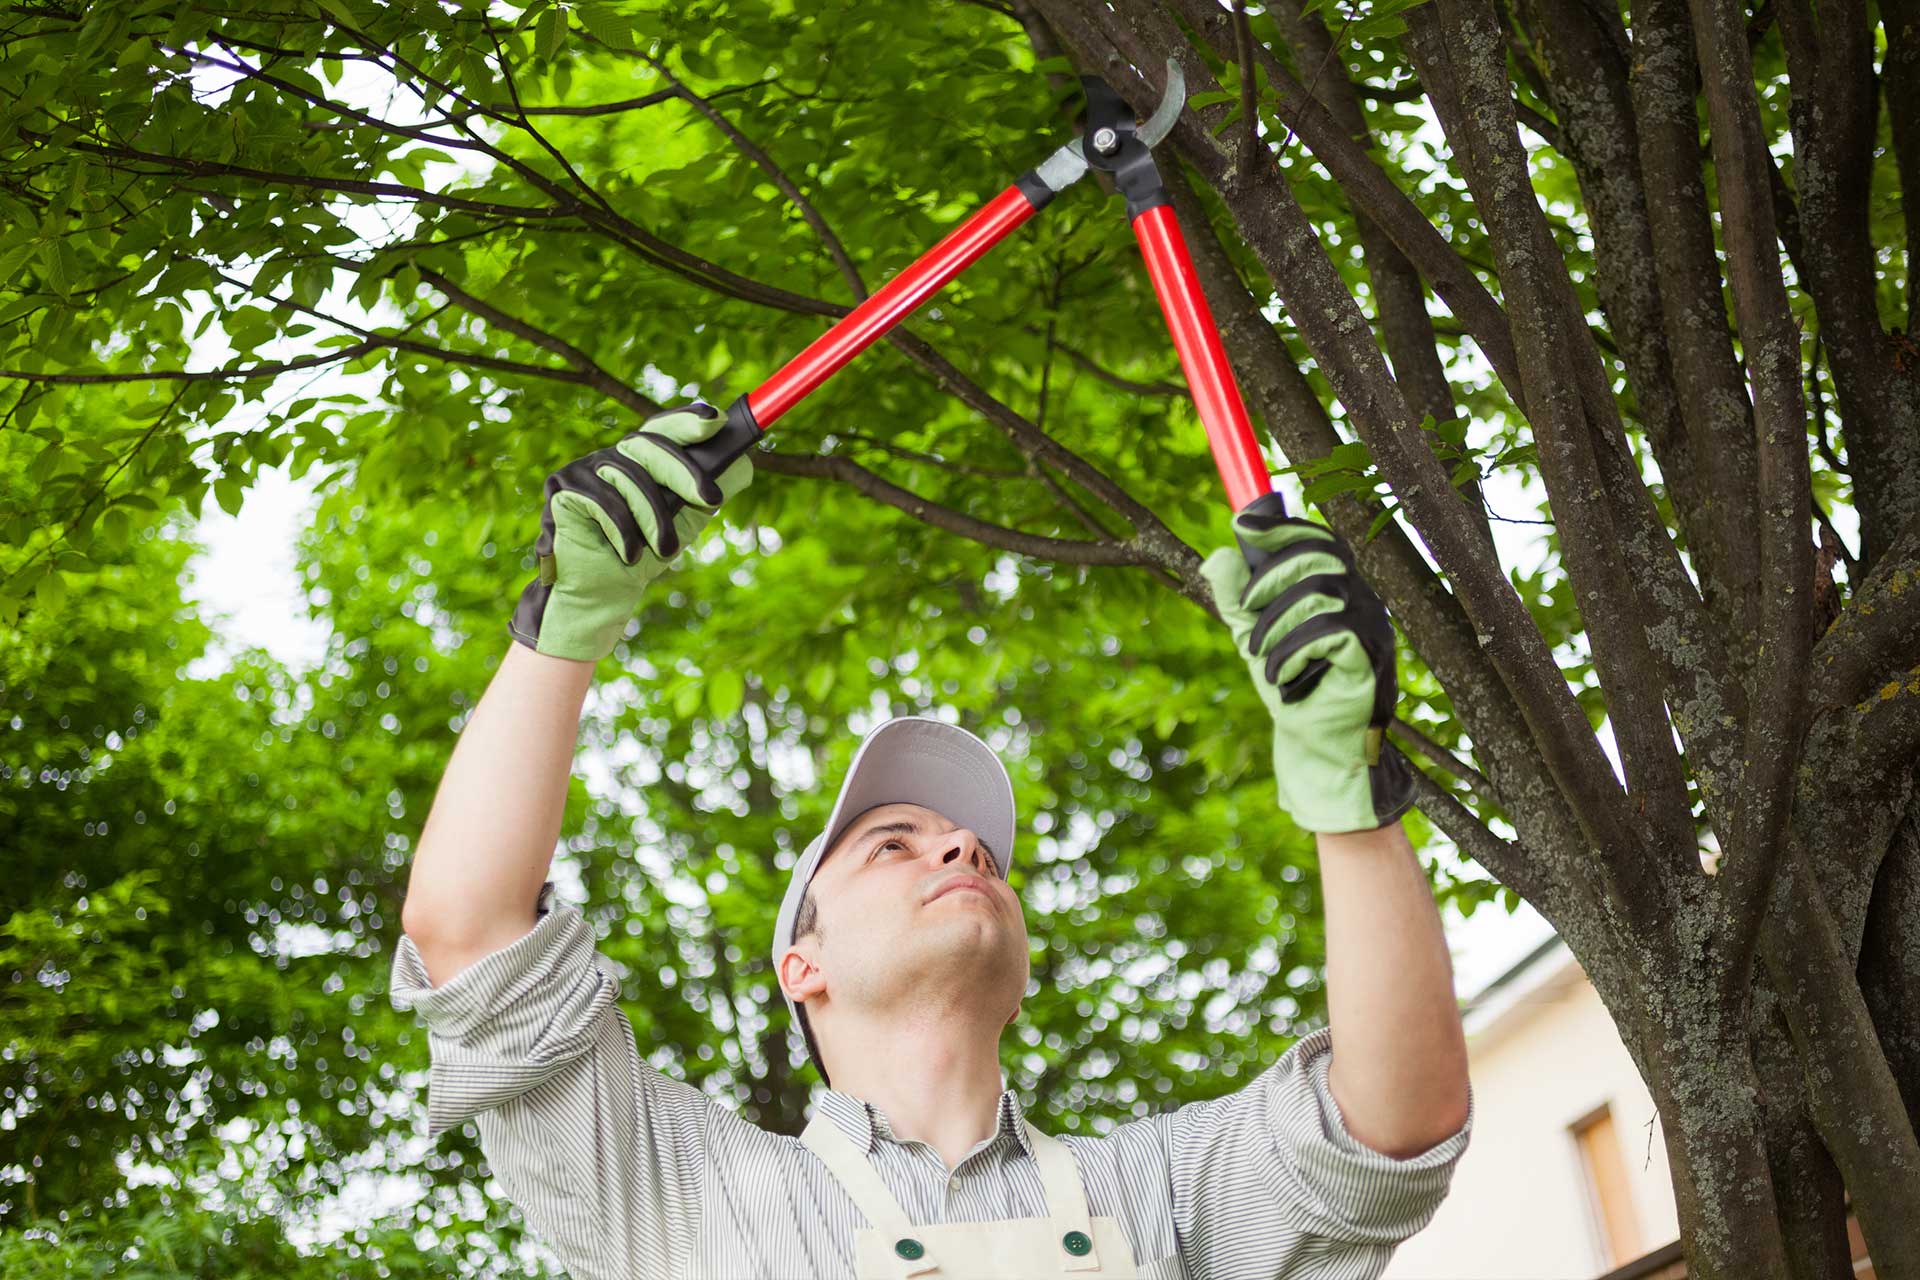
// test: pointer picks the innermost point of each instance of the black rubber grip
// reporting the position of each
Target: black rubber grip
(1270, 506)
(708, 457)
(719, 450)
(1037, 192)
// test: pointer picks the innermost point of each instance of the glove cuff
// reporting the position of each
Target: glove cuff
(1352, 804)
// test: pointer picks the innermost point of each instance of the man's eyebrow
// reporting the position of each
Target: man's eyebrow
(898, 827)
(907, 827)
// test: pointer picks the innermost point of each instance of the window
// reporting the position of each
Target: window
(1612, 1198)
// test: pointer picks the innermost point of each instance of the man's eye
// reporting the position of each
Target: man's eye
(889, 844)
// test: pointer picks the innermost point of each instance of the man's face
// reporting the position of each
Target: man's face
(912, 911)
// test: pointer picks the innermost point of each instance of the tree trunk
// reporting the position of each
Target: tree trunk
(1806, 1182)
(1709, 1101)
(1850, 1091)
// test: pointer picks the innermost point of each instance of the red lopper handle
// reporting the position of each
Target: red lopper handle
(1209, 376)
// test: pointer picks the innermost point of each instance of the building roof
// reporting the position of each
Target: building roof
(1542, 974)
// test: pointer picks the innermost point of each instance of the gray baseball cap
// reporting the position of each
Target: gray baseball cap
(907, 760)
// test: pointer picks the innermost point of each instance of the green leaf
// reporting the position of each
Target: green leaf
(686, 699)
(51, 594)
(61, 266)
(339, 12)
(726, 691)
(1380, 521)
(819, 681)
(136, 52)
(1335, 485)
(12, 260)
(46, 461)
(229, 492)
(607, 24)
(550, 34)
(115, 525)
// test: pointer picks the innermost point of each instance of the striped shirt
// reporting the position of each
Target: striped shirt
(627, 1174)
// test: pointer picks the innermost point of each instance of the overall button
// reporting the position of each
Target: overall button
(1076, 1243)
(910, 1249)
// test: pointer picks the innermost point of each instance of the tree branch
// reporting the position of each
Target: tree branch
(1445, 759)
(835, 249)
(932, 460)
(1372, 191)
(1333, 327)
(1400, 303)
(1713, 398)
(1833, 111)
(1458, 49)
(1507, 861)
(1851, 1092)
(1777, 723)
(1431, 615)
(1086, 363)
(592, 374)
(846, 471)
(1878, 632)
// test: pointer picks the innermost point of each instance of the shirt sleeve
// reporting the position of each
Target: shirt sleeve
(602, 1154)
(1268, 1182)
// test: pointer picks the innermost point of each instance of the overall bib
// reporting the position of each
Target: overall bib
(1066, 1244)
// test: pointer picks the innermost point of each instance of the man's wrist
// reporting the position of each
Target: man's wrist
(1359, 844)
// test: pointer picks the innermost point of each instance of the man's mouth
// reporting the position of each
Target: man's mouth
(967, 885)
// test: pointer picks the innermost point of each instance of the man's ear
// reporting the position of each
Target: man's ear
(800, 976)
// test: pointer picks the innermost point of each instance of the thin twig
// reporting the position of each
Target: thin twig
(847, 471)
(595, 375)
(1249, 112)
(1087, 363)
(835, 249)
(932, 460)
(1444, 758)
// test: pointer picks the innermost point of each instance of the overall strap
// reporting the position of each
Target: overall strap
(848, 1164)
(1066, 1202)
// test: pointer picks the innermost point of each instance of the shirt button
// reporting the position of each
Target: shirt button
(953, 1184)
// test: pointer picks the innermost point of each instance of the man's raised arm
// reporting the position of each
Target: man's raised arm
(1399, 1067)
(1321, 649)
(491, 832)
(490, 836)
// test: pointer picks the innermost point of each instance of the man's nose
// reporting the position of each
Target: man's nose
(961, 845)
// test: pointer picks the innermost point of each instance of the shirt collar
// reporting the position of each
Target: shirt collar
(865, 1124)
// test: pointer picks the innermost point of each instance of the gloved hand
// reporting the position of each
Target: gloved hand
(1321, 651)
(611, 523)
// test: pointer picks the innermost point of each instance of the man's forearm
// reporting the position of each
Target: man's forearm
(1399, 1067)
(490, 836)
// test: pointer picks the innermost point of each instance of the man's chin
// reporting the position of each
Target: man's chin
(942, 942)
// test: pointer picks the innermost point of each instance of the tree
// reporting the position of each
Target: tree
(721, 180)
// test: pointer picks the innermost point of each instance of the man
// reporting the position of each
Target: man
(903, 952)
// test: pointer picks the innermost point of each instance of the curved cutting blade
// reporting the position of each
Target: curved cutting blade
(1160, 123)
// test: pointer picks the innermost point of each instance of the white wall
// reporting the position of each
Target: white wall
(1520, 1208)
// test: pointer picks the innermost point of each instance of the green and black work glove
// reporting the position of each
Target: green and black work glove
(613, 519)
(1321, 650)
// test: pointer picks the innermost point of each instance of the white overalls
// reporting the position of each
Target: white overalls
(1066, 1244)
